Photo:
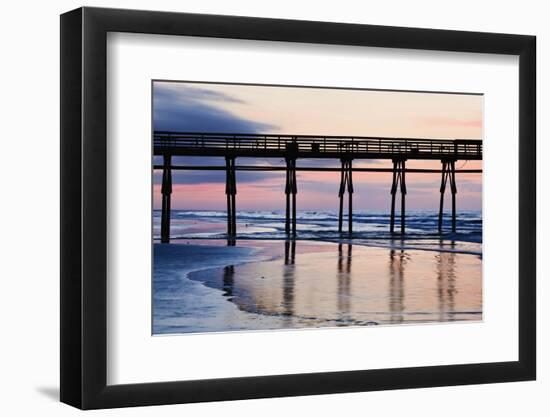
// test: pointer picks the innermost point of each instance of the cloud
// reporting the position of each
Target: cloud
(180, 107)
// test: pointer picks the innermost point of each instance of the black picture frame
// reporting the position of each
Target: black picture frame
(84, 207)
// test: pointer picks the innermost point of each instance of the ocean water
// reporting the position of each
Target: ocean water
(369, 228)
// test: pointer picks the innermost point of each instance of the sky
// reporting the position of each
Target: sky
(236, 108)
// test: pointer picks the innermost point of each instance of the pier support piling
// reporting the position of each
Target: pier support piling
(166, 192)
(231, 191)
(290, 191)
(346, 182)
(398, 181)
(447, 174)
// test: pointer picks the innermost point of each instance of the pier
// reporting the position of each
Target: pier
(291, 148)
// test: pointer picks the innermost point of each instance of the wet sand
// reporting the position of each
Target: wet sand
(304, 284)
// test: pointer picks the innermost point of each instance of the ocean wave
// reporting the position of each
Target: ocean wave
(421, 226)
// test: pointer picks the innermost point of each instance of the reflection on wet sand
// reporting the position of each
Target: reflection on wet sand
(353, 285)
(344, 281)
(446, 285)
(288, 278)
(228, 278)
(396, 292)
(290, 251)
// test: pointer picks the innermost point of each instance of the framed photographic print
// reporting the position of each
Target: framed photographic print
(258, 207)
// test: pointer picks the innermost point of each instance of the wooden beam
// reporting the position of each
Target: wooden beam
(315, 169)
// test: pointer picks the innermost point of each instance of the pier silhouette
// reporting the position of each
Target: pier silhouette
(291, 148)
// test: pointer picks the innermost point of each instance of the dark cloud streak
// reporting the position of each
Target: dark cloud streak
(190, 109)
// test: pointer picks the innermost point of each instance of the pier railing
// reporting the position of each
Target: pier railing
(218, 144)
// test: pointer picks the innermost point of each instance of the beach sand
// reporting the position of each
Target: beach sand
(205, 286)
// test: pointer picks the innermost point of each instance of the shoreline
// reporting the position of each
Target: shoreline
(393, 243)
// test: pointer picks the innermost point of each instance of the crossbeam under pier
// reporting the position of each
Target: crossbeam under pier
(260, 168)
(398, 181)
